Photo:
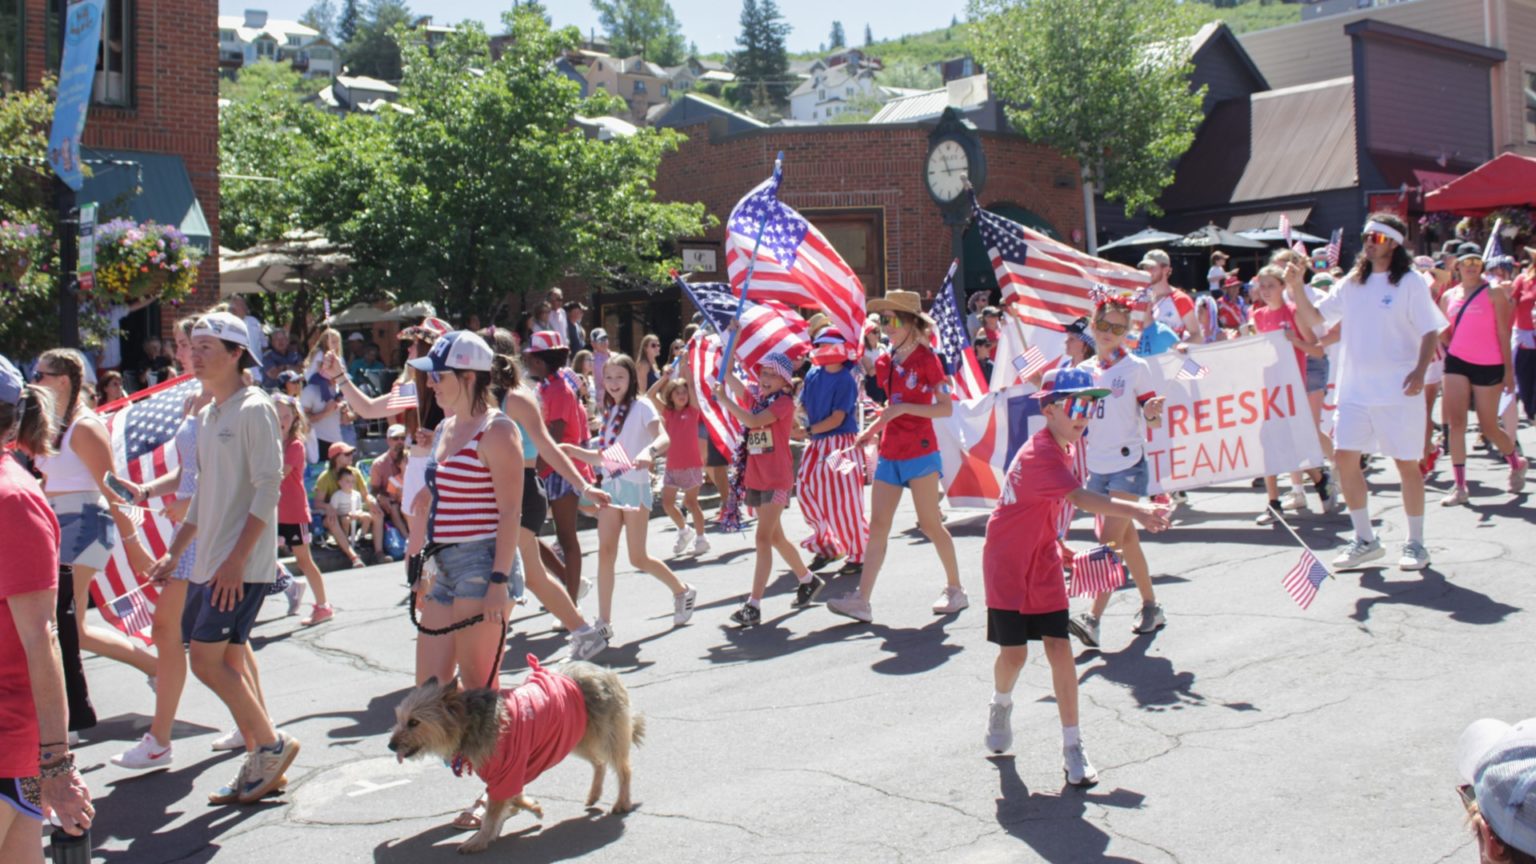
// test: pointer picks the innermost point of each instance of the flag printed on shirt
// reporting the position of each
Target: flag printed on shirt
(1305, 578)
(134, 614)
(1096, 571)
(1191, 370)
(142, 431)
(1051, 282)
(952, 343)
(795, 264)
(766, 327)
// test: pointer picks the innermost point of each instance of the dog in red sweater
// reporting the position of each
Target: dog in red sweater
(509, 737)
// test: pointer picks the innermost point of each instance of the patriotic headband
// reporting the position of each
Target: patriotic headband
(1374, 227)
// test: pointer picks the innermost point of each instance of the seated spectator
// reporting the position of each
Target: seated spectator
(388, 476)
(282, 356)
(347, 505)
(1497, 762)
(340, 456)
(367, 360)
(158, 364)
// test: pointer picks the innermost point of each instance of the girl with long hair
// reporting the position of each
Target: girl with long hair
(631, 425)
(913, 379)
(673, 397)
(648, 361)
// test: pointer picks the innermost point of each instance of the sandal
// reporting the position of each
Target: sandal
(469, 818)
(357, 562)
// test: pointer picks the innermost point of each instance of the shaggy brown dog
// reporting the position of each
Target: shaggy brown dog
(444, 721)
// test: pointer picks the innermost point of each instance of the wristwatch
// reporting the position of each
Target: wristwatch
(499, 578)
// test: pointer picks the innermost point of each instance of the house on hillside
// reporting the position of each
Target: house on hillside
(639, 82)
(351, 93)
(245, 39)
(692, 108)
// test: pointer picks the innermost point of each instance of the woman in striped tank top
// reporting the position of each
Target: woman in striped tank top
(475, 480)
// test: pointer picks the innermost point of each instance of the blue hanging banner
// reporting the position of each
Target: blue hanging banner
(77, 76)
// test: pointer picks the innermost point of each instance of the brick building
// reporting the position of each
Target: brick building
(863, 187)
(153, 125)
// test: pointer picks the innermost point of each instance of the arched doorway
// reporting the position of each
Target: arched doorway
(978, 265)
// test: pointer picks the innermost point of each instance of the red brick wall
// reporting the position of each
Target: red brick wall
(868, 166)
(175, 110)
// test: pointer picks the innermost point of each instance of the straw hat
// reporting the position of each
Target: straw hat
(900, 301)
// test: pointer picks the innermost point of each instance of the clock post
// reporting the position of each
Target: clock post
(956, 164)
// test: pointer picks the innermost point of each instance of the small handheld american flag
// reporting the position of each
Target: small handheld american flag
(135, 614)
(616, 461)
(1332, 251)
(1096, 571)
(1285, 228)
(1028, 363)
(1191, 370)
(1305, 578)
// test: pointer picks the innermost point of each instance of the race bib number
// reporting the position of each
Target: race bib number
(759, 441)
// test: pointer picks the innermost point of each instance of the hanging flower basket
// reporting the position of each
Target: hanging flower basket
(143, 261)
(1515, 220)
(21, 243)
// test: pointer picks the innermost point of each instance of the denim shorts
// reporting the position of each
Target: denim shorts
(1317, 374)
(464, 572)
(901, 472)
(87, 534)
(1132, 480)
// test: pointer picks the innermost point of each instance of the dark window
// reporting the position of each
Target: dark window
(639, 86)
(1530, 105)
(114, 65)
(13, 45)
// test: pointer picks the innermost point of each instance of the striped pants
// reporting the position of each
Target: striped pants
(832, 497)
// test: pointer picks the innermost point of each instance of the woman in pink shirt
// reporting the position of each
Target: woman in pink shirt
(1479, 367)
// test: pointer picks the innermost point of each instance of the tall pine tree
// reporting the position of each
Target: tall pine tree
(762, 64)
(837, 39)
(351, 19)
(869, 36)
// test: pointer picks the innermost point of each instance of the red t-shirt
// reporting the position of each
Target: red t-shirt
(914, 381)
(292, 502)
(546, 717)
(683, 431)
(770, 466)
(29, 534)
(1266, 319)
(558, 399)
(1524, 293)
(1020, 558)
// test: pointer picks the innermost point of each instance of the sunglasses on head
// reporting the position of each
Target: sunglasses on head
(1077, 407)
(1105, 327)
(1374, 237)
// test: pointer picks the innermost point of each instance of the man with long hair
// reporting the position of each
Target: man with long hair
(1391, 336)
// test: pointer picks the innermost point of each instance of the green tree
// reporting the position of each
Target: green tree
(375, 51)
(762, 64)
(869, 36)
(322, 17)
(347, 25)
(911, 76)
(29, 322)
(266, 141)
(837, 40)
(1105, 82)
(488, 186)
(644, 27)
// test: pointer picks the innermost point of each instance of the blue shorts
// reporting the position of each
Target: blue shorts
(1132, 480)
(464, 572)
(901, 472)
(87, 534)
(635, 494)
(201, 622)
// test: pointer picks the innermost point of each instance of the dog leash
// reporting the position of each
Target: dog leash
(413, 573)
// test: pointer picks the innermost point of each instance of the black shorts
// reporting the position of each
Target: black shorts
(201, 622)
(713, 458)
(1010, 628)
(292, 534)
(535, 505)
(25, 794)
(1479, 375)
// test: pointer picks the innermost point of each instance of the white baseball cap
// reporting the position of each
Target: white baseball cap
(228, 328)
(459, 351)
(396, 430)
(1499, 761)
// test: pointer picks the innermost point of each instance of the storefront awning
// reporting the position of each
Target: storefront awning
(1269, 219)
(145, 187)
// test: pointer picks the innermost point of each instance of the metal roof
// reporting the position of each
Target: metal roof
(1302, 140)
(914, 109)
(157, 188)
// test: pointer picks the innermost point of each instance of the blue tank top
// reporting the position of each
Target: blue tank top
(530, 451)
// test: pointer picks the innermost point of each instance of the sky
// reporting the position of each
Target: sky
(713, 24)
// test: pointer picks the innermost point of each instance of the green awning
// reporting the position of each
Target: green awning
(143, 187)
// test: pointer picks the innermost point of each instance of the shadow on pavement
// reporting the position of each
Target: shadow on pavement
(137, 811)
(1053, 824)
(376, 719)
(915, 650)
(1431, 591)
(1152, 680)
(571, 838)
(769, 639)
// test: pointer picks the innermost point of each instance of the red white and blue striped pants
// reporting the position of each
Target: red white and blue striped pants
(832, 497)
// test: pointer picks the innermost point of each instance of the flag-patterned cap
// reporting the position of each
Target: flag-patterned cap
(1499, 760)
(546, 340)
(779, 364)
(459, 351)
(1069, 382)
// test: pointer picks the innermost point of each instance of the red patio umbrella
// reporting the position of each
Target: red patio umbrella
(1507, 180)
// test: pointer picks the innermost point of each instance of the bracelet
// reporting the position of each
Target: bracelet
(62, 768)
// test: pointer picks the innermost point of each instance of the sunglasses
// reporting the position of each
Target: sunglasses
(890, 321)
(1374, 237)
(1468, 797)
(39, 374)
(435, 377)
(1105, 327)
(1078, 407)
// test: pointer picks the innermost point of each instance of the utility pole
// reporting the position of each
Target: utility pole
(65, 228)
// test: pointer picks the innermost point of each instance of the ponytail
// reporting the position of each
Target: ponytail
(71, 364)
(506, 373)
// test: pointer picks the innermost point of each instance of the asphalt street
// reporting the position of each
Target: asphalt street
(1247, 730)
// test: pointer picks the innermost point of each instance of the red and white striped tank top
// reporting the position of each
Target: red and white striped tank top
(463, 499)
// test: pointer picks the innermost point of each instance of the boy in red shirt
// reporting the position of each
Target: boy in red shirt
(1021, 561)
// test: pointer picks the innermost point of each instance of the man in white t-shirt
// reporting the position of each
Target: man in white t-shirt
(1169, 305)
(1390, 332)
(242, 310)
(1217, 275)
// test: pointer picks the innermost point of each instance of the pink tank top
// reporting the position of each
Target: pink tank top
(1475, 340)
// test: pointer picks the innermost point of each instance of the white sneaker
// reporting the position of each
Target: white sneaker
(295, 594)
(682, 605)
(1358, 552)
(951, 601)
(231, 740)
(146, 754)
(1075, 765)
(73, 738)
(1297, 500)
(584, 589)
(587, 643)
(684, 537)
(1456, 498)
(700, 545)
(999, 727)
(1415, 557)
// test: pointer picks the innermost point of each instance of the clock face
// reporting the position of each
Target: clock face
(948, 165)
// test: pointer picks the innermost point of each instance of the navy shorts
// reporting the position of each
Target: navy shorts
(1010, 627)
(535, 505)
(201, 622)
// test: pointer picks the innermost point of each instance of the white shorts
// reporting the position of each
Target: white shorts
(1396, 431)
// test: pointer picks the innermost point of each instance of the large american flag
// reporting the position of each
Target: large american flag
(766, 327)
(796, 266)
(142, 428)
(1305, 578)
(704, 357)
(953, 343)
(1096, 571)
(1052, 283)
